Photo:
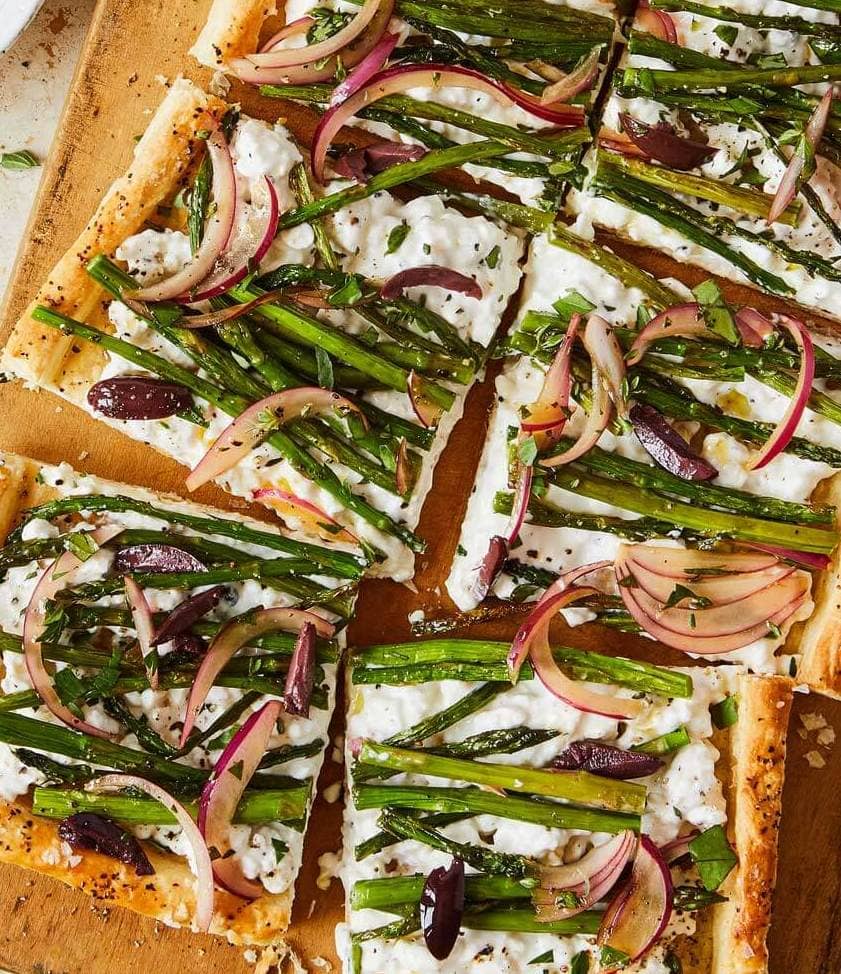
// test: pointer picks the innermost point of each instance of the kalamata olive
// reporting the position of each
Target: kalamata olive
(138, 397)
(187, 645)
(87, 830)
(187, 612)
(361, 164)
(300, 678)
(606, 760)
(662, 143)
(666, 447)
(164, 558)
(441, 908)
(430, 275)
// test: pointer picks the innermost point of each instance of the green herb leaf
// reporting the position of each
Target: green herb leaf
(725, 713)
(280, 850)
(672, 962)
(696, 898)
(712, 854)
(727, 33)
(324, 364)
(573, 302)
(492, 258)
(347, 295)
(680, 593)
(611, 957)
(527, 451)
(397, 237)
(82, 544)
(716, 313)
(22, 159)
(580, 964)
(547, 957)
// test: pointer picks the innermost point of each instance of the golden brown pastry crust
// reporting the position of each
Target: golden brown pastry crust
(756, 747)
(819, 639)
(32, 842)
(232, 30)
(162, 158)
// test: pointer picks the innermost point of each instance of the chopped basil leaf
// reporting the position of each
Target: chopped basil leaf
(461, 551)
(611, 957)
(223, 739)
(527, 451)
(492, 259)
(22, 159)
(725, 713)
(547, 957)
(580, 963)
(82, 544)
(712, 854)
(680, 593)
(397, 237)
(348, 294)
(522, 593)
(573, 302)
(673, 964)
(280, 849)
(716, 313)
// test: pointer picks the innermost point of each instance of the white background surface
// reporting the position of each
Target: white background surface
(34, 77)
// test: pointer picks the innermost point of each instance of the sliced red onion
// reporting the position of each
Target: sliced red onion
(606, 760)
(677, 848)
(656, 22)
(301, 675)
(639, 913)
(199, 855)
(787, 426)
(249, 241)
(427, 411)
(715, 590)
(490, 568)
(258, 421)
(54, 578)
(666, 447)
(232, 637)
(187, 613)
(441, 908)
(216, 233)
(323, 69)
(532, 640)
(589, 880)
(582, 78)
(144, 627)
(598, 419)
(600, 341)
(87, 830)
(404, 77)
(293, 29)
(364, 163)
(790, 183)
(223, 791)
(619, 142)
(551, 410)
(430, 275)
(522, 497)
(683, 320)
(164, 558)
(293, 57)
(661, 142)
(719, 629)
(322, 524)
(569, 577)
(213, 318)
(689, 563)
(753, 327)
(365, 70)
(132, 397)
(808, 559)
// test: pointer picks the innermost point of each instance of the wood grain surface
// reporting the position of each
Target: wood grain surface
(132, 49)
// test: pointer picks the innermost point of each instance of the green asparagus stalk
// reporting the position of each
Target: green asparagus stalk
(669, 212)
(752, 202)
(525, 921)
(405, 172)
(486, 860)
(319, 473)
(382, 894)
(229, 716)
(613, 466)
(255, 807)
(147, 737)
(476, 801)
(706, 522)
(383, 840)
(631, 82)
(580, 664)
(444, 719)
(666, 743)
(337, 563)
(402, 106)
(797, 25)
(291, 752)
(299, 183)
(575, 786)
(198, 203)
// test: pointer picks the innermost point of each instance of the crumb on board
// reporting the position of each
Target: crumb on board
(815, 759)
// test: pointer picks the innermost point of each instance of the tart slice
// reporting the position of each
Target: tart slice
(169, 673)
(652, 434)
(309, 353)
(501, 824)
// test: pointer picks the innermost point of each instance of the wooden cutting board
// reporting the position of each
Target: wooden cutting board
(132, 50)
